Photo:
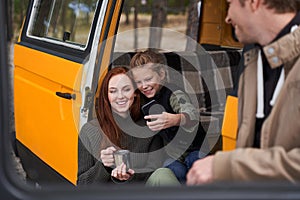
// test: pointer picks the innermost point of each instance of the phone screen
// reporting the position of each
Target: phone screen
(152, 108)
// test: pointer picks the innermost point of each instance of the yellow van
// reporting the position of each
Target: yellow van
(64, 49)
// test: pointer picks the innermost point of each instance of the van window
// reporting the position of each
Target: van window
(168, 19)
(67, 23)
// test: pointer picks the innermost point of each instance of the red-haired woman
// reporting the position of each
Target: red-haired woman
(118, 126)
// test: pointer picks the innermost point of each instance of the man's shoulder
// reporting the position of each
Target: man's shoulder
(289, 44)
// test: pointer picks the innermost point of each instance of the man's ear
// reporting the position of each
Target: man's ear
(254, 4)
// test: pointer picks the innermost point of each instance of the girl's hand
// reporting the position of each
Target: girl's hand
(163, 121)
(107, 156)
(120, 173)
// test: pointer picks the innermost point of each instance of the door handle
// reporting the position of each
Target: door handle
(66, 95)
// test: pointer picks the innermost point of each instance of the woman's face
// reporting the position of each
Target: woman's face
(148, 81)
(120, 94)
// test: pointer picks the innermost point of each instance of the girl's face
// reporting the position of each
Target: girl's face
(148, 81)
(120, 94)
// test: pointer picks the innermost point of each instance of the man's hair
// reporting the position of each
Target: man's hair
(280, 6)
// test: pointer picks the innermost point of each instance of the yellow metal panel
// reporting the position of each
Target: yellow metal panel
(45, 123)
(230, 123)
(228, 143)
(109, 41)
(212, 11)
(212, 27)
(211, 34)
(46, 65)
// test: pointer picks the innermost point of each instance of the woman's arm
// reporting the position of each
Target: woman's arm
(90, 169)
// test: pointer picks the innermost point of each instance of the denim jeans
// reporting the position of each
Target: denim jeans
(180, 169)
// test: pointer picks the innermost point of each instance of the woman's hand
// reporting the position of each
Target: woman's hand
(163, 121)
(107, 156)
(120, 173)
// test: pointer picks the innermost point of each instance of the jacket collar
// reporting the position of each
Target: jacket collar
(282, 51)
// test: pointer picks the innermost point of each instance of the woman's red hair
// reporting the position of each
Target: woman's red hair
(103, 107)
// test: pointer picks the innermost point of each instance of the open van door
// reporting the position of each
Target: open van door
(213, 30)
(57, 65)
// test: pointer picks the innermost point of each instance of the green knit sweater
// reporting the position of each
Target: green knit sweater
(146, 152)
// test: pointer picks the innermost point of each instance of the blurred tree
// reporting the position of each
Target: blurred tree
(159, 17)
(128, 4)
(192, 24)
(136, 10)
(126, 10)
(19, 10)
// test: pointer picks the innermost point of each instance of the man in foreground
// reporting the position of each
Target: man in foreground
(268, 144)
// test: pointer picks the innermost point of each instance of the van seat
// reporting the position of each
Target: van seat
(210, 76)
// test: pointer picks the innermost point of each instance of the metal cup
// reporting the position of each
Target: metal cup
(122, 156)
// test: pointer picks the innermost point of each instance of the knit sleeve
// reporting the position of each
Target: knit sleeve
(90, 168)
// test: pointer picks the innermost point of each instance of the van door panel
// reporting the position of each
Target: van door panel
(47, 124)
(44, 122)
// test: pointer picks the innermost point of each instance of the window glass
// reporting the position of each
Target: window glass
(168, 19)
(66, 22)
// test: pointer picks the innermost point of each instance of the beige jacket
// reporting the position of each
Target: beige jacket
(279, 156)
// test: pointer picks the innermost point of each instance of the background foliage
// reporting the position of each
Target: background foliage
(19, 8)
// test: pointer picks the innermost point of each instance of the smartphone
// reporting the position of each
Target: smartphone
(152, 108)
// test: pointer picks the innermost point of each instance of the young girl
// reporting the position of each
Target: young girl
(178, 124)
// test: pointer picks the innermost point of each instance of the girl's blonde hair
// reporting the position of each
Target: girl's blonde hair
(149, 56)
